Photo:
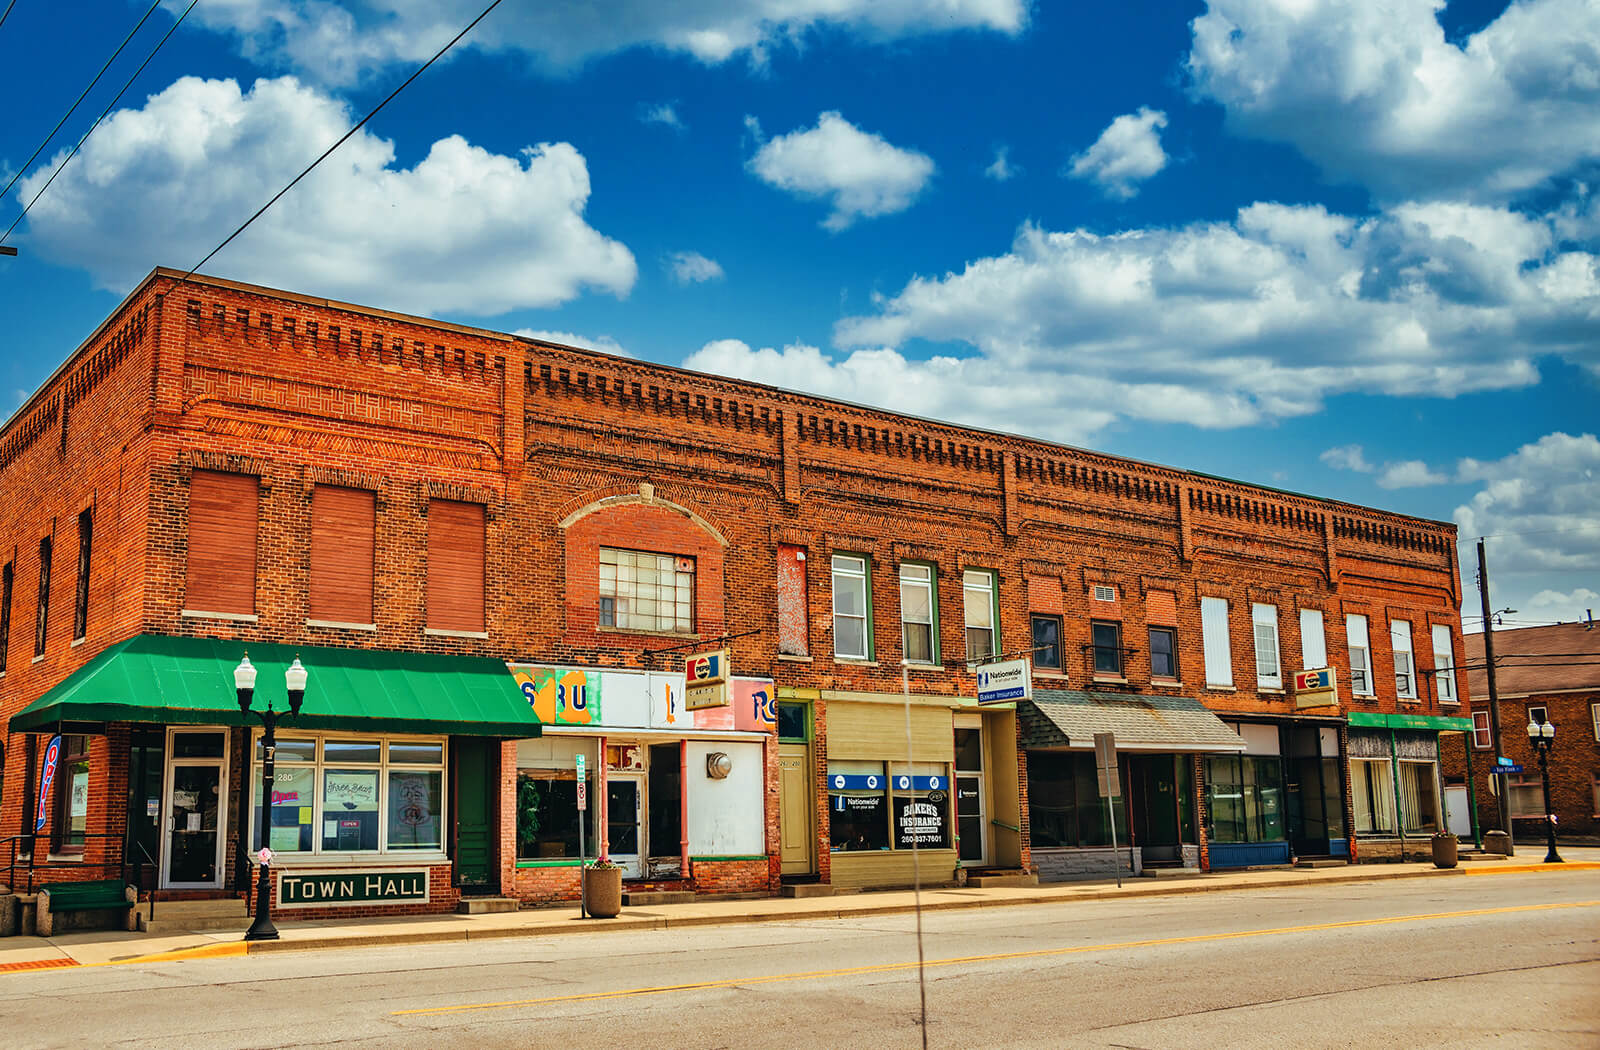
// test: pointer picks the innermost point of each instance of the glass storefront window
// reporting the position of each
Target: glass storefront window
(1418, 797)
(1372, 791)
(364, 795)
(858, 806)
(1064, 803)
(548, 817)
(921, 805)
(1245, 798)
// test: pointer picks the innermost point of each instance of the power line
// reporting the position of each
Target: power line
(98, 119)
(1536, 532)
(28, 163)
(329, 151)
(7, 13)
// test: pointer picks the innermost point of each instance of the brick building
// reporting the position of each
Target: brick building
(494, 553)
(1542, 674)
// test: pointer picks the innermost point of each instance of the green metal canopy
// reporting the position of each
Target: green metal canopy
(165, 680)
(1379, 720)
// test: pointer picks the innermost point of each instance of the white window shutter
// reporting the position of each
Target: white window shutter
(1313, 642)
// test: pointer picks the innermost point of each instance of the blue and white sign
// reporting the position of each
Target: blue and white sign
(1004, 680)
(1513, 768)
(856, 782)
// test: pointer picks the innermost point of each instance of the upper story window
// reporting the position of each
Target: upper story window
(1215, 641)
(6, 579)
(221, 573)
(1405, 678)
(343, 533)
(646, 592)
(1355, 631)
(1264, 619)
(918, 613)
(455, 567)
(977, 598)
(852, 595)
(1163, 652)
(1107, 639)
(1444, 664)
(1046, 642)
(41, 623)
(1480, 728)
(80, 608)
(1313, 641)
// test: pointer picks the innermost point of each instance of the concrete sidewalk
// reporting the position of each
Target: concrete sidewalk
(100, 948)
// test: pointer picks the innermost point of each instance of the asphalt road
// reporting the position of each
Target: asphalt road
(1508, 960)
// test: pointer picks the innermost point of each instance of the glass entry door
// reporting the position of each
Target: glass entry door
(972, 817)
(196, 802)
(622, 823)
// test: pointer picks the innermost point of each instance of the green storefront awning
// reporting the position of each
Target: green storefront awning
(1376, 720)
(165, 680)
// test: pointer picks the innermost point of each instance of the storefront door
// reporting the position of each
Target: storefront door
(476, 781)
(1153, 784)
(1314, 803)
(623, 797)
(195, 802)
(796, 801)
(972, 815)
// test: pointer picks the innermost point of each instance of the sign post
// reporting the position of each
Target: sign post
(583, 804)
(1105, 763)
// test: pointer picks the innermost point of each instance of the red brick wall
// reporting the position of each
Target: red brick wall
(1574, 762)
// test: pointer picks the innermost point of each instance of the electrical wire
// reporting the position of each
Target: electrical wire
(342, 139)
(97, 120)
(29, 162)
(7, 13)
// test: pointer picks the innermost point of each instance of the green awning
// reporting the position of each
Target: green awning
(1377, 720)
(164, 680)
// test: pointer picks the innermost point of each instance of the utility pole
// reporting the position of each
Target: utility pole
(1494, 698)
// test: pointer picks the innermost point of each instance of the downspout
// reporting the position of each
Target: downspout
(683, 807)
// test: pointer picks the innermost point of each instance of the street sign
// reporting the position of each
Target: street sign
(1504, 761)
(705, 680)
(1508, 769)
(1105, 762)
(583, 785)
(1004, 680)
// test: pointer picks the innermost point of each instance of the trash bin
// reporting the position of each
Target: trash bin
(1497, 842)
(1444, 850)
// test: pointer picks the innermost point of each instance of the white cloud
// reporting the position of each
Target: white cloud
(862, 174)
(1127, 152)
(693, 268)
(1412, 473)
(663, 113)
(973, 391)
(1230, 324)
(1347, 457)
(462, 230)
(604, 343)
(1374, 93)
(1002, 170)
(340, 43)
(1540, 509)
(1561, 604)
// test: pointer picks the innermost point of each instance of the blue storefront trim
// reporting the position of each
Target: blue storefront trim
(1248, 854)
(1339, 847)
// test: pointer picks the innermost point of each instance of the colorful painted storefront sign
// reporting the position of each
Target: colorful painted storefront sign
(561, 696)
(567, 696)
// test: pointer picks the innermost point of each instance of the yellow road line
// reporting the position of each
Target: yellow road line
(812, 975)
(223, 950)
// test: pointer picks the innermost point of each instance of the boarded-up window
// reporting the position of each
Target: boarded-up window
(222, 543)
(1161, 607)
(455, 566)
(342, 527)
(1214, 639)
(794, 627)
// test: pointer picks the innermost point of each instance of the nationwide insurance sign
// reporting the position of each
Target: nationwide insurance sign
(1003, 681)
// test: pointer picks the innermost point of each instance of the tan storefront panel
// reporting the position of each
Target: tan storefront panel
(891, 868)
(1005, 810)
(877, 733)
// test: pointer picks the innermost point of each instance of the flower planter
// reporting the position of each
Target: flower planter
(1444, 851)
(602, 887)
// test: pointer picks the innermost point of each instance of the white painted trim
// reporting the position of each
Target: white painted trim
(341, 625)
(199, 614)
(434, 632)
(634, 499)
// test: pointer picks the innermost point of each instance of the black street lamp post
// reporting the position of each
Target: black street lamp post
(1543, 737)
(244, 683)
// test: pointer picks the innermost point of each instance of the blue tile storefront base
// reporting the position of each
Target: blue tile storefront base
(1247, 854)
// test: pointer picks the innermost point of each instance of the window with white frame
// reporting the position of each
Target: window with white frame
(1264, 619)
(1480, 730)
(1372, 791)
(1594, 716)
(917, 605)
(1419, 796)
(1444, 664)
(350, 794)
(646, 592)
(977, 599)
(1527, 795)
(1313, 640)
(1405, 670)
(1214, 641)
(1538, 716)
(850, 607)
(1355, 630)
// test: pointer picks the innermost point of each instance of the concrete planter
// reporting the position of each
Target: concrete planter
(1444, 851)
(602, 886)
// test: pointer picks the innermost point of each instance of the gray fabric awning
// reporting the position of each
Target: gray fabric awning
(1069, 718)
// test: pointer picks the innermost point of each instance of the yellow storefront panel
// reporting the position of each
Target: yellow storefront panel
(877, 733)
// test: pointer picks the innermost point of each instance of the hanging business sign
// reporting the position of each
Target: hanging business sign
(1317, 688)
(306, 889)
(705, 680)
(47, 778)
(1004, 680)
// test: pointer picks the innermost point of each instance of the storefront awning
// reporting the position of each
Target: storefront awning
(1069, 718)
(164, 680)
(1434, 723)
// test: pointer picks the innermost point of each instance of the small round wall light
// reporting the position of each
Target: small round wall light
(718, 765)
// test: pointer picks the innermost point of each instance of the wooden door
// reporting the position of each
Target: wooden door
(796, 804)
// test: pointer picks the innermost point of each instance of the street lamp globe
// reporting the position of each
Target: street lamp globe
(1533, 730)
(1548, 731)
(244, 683)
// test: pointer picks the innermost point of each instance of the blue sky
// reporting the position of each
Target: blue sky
(1343, 248)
